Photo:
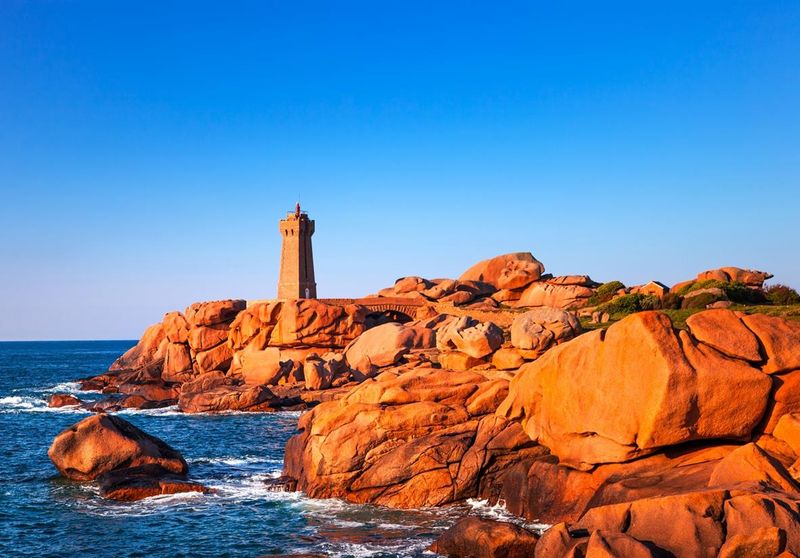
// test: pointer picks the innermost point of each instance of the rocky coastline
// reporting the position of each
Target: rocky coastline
(636, 421)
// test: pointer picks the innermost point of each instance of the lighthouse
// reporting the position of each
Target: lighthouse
(297, 258)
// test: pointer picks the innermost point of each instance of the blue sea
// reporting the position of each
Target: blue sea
(42, 514)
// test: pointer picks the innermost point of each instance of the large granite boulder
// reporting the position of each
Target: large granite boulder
(749, 277)
(474, 537)
(176, 328)
(380, 346)
(151, 348)
(320, 372)
(411, 284)
(178, 365)
(260, 366)
(554, 295)
(101, 443)
(509, 271)
(675, 389)
(469, 336)
(209, 326)
(63, 400)
(541, 328)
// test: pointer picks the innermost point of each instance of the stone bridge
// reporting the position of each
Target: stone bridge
(382, 309)
(396, 309)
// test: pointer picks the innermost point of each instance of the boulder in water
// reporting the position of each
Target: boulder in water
(135, 483)
(63, 400)
(102, 443)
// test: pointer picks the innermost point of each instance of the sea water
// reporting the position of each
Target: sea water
(42, 514)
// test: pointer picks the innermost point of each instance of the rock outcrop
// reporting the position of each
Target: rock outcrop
(215, 392)
(675, 389)
(407, 438)
(615, 432)
(749, 277)
(297, 323)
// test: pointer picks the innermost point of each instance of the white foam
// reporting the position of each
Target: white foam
(172, 410)
(347, 524)
(394, 526)
(235, 461)
(500, 513)
(27, 404)
(67, 387)
(253, 487)
(365, 550)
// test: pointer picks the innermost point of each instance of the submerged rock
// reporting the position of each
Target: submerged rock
(135, 483)
(63, 400)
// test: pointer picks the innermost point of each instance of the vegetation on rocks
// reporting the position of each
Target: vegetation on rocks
(782, 295)
(605, 292)
(735, 291)
(630, 303)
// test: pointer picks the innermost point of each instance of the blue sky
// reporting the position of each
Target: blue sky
(147, 149)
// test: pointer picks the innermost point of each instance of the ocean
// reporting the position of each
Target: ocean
(42, 514)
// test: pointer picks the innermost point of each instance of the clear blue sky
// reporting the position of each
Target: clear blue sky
(147, 149)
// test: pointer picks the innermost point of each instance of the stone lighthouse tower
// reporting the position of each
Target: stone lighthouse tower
(297, 259)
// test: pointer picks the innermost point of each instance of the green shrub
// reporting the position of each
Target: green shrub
(734, 291)
(671, 301)
(782, 295)
(706, 284)
(742, 294)
(700, 301)
(605, 292)
(630, 303)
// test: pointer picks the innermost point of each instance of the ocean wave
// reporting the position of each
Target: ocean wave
(172, 410)
(406, 547)
(499, 512)
(29, 404)
(235, 461)
(73, 388)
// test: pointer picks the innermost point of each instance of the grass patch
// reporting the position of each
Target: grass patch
(679, 317)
